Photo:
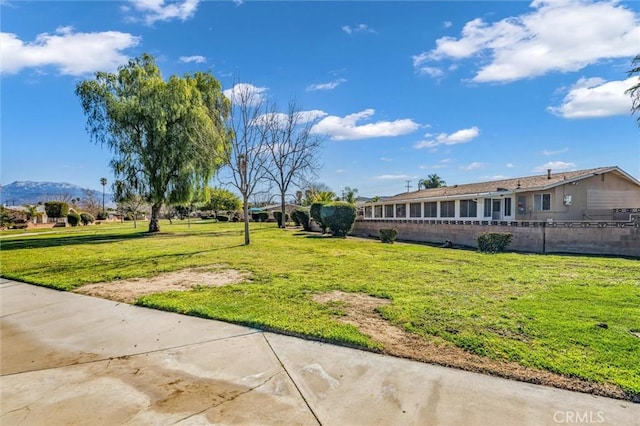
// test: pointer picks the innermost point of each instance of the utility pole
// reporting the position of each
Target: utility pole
(408, 185)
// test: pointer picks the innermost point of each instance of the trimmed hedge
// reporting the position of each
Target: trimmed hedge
(388, 235)
(56, 209)
(260, 216)
(314, 212)
(302, 217)
(494, 242)
(222, 218)
(338, 216)
(278, 217)
(86, 218)
(73, 219)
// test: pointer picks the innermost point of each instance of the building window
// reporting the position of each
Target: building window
(487, 207)
(468, 208)
(388, 210)
(541, 202)
(415, 210)
(431, 209)
(367, 211)
(377, 211)
(522, 204)
(507, 206)
(447, 209)
(401, 210)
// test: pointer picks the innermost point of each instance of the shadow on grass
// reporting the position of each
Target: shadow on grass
(57, 241)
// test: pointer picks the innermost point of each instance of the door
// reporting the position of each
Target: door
(496, 207)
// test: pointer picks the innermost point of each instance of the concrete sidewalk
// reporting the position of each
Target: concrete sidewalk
(72, 359)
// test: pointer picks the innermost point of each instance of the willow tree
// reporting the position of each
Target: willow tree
(168, 137)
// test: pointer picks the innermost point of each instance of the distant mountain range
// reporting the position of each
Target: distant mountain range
(27, 192)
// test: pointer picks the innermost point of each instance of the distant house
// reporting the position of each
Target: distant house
(23, 213)
(592, 194)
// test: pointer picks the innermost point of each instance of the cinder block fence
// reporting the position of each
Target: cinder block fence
(605, 238)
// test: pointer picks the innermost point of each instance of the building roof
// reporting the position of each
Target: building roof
(509, 186)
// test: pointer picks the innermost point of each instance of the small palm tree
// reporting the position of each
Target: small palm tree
(432, 181)
(103, 182)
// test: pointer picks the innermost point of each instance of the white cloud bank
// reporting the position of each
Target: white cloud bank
(72, 53)
(360, 28)
(246, 93)
(461, 136)
(558, 35)
(160, 10)
(347, 128)
(555, 166)
(198, 59)
(595, 97)
(326, 86)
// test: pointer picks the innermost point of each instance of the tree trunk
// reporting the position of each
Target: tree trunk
(283, 207)
(154, 223)
(245, 211)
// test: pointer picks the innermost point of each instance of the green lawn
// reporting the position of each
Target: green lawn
(545, 312)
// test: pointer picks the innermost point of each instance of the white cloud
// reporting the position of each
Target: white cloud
(461, 136)
(433, 72)
(442, 164)
(238, 2)
(548, 153)
(326, 86)
(447, 24)
(198, 59)
(557, 35)
(555, 166)
(473, 166)
(360, 28)
(510, 165)
(347, 128)
(281, 118)
(159, 10)
(246, 93)
(72, 53)
(394, 177)
(595, 97)
(385, 159)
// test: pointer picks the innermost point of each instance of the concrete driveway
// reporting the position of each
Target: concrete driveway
(72, 359)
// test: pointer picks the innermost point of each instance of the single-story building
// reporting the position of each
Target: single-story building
(581, 195)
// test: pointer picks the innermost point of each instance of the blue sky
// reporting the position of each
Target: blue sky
(472, 91)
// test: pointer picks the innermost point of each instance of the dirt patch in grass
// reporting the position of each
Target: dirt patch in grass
(130, 290)
(360, 311)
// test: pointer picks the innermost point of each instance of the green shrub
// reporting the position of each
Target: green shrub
(388, 235)
(86, 218)
(339, 217)
(222, 218)
(314, 212)
(56, 209)
(73, 219)
(260, 216)
(494, 242)
(302, 217)
(278, 217)
(103, 216)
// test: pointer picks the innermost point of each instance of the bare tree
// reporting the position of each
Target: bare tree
(89, 203)
(292, 149)
(133, 204)
(245, 156)
(634, 91)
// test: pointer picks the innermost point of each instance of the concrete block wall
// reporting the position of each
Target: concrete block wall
(535, 238)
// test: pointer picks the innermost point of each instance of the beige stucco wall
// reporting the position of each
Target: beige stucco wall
(579, 194)
(607, 240)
